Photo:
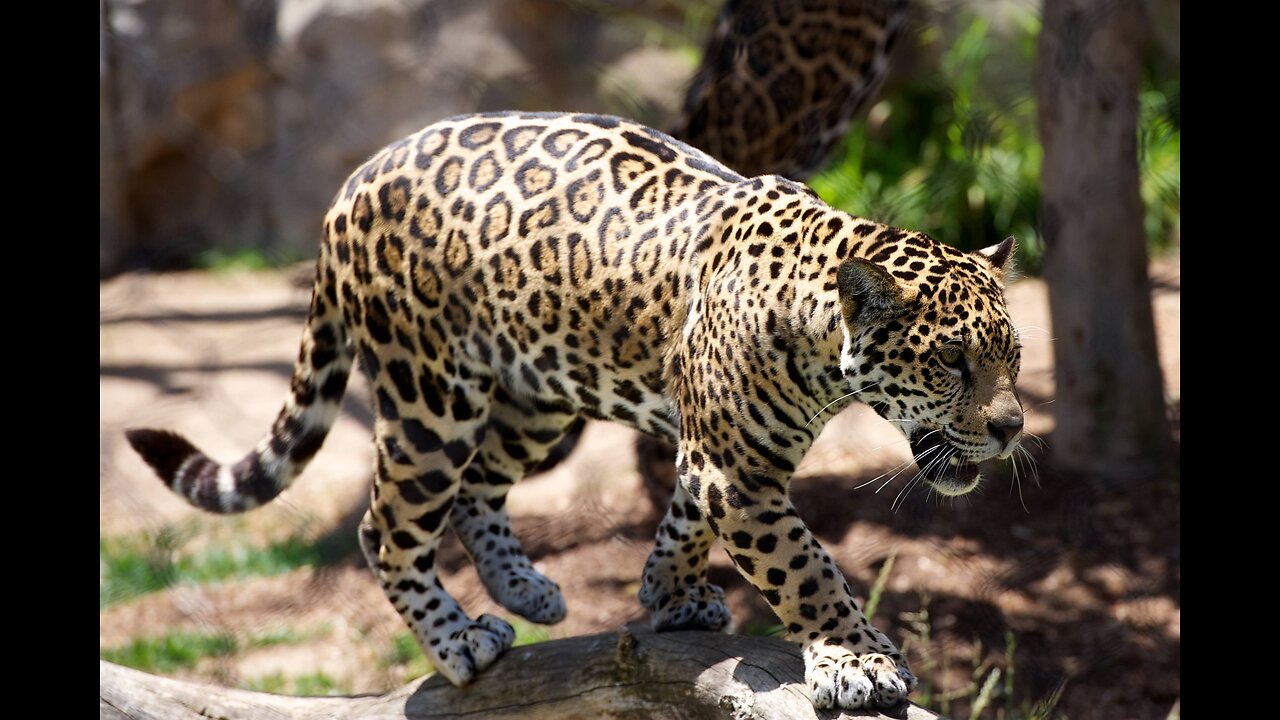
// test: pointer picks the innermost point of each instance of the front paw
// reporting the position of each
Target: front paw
(838, 678)
(700, 607)
(471, 648)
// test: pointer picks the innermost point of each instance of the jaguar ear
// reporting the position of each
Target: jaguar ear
(869, 292)
(1000, 256)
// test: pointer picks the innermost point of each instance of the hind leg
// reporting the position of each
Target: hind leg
(422, 448)
(518, 440)
(675, 588)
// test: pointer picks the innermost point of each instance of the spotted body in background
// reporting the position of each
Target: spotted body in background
(500, 275)
(780, 82)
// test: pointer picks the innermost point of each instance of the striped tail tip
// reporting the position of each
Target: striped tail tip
(204, 483)
(164, 451)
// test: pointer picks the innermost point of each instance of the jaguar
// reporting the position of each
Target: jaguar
(500, 276)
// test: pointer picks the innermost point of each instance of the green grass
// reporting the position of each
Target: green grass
(182, 650)
(528, 633)
(274, 682)
(759, 629)
(988, 693)
(135, 565)
(167, 653)
(406, 656)
(984, 693)
(287, 636)
(877, 588)
(316, 683)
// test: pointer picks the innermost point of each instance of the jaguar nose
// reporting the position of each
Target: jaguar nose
(1005, 429)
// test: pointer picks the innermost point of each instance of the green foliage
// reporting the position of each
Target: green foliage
(135, 565)
(176, 651)
(954, 152)
(985, 695)
(877, 588)
(182, 650)
(1159, 162)
(316, 683)
(285, 636)
(244, 259)
(274, 682)
(405, 655)
(950, 156)
(528, 633)
(759, 629)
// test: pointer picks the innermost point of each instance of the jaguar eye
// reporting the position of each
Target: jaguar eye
(953, 357)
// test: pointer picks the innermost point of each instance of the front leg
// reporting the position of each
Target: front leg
(737, 457)
(849, 664)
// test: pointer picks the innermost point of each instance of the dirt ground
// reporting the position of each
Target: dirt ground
(1080, 588)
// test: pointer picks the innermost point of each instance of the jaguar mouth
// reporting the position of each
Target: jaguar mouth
(942, 464)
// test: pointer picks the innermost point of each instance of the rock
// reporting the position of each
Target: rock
(182, 104)
(229, 124)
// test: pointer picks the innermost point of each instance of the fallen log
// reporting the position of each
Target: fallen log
(633, 673)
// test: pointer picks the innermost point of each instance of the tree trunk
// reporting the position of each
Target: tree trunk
(1110, 418)
(634, 673)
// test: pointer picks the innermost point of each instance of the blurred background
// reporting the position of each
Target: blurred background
(227, 125)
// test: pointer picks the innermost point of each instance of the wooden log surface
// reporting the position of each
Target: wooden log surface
(630, 674)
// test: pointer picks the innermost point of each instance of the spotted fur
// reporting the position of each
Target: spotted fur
(501, 275)
(781, 81)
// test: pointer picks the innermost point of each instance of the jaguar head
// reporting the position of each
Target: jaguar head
(928, 343)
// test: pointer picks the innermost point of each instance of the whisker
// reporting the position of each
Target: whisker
(886, 483)
(943, 458)
(1050, 401)
(1035, 465)
(902, 494)
(833, 402)
(1017, 482)
(886, 472)
(915, 459)
(1044, 445)
(1021, 328)
(899, 467)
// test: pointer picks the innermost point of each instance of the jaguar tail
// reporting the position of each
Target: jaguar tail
(316, 390)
